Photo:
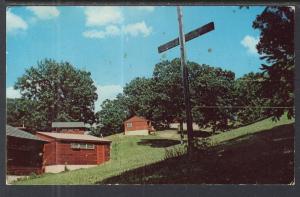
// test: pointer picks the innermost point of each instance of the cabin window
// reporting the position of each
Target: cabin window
(129, 124)
(82, 146)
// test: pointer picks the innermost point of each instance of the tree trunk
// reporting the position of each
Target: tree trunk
(181, 131)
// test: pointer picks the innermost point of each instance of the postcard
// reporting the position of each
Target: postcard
(150, 94)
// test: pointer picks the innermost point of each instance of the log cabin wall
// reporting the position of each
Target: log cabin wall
(137, 123)
(24, 156)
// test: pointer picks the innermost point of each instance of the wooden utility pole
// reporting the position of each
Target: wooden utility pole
(181, 41)
(185, 79)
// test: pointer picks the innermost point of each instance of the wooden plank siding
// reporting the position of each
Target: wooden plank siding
(24, 156)
(61, 152)
(66, 155)
(137, 123)
(137, 126)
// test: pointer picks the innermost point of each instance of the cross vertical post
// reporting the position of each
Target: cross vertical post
(185, 79)
(181, 41)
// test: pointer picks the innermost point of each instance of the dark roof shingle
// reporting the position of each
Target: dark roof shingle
(14, 132)
(68, 124)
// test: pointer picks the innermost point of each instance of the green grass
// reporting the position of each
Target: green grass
(249, 129)
(126, 154)
(141, 159)
(265, 157)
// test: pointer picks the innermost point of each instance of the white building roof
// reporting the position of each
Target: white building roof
(75, 137)
(68, 125)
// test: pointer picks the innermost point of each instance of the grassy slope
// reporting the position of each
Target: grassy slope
(126, 154)
(250, 129)
(266, 157)
(130, 153)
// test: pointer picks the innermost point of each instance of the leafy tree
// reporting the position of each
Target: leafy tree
(158, 98)
(61, 93)
(249, 95)
(139, 97)
(167, 77)
(16, 112)
(112, 115)
(212, 96)
(276, 46)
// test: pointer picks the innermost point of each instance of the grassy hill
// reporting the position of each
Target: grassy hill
(128, 152)
(258, 153)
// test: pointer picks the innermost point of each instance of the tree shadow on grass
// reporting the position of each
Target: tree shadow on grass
(158, 143)
(263, 158)
(202, 134)
(199, 133)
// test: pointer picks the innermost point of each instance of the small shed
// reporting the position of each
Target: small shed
(137, 125)
(74, 149)
(24, 152)
(69, 127)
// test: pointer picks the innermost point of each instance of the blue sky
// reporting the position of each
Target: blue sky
(117, 44)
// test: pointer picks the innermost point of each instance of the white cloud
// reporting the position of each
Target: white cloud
(137, 28)
(107, 92)
(249, 42)
(44, 12)
(14, 22)
(12, 93)
(110, 21)
(104, 15)
(145, 8)
(110, 30)
(113, 30)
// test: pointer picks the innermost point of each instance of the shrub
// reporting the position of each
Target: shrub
(175, 152)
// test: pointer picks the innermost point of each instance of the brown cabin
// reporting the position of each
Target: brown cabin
(137, 126)
(69, 127)
(24, 152)
(74, 149)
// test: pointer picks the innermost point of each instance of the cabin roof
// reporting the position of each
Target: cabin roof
(68, 125)
(14, 132)
(75, 137)
(136, 119)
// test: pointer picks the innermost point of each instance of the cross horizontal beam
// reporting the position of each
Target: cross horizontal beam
(189, 36)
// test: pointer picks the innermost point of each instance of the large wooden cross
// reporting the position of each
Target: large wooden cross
(181, 41)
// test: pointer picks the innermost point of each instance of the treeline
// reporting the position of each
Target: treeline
(57, 91)
(218, 100)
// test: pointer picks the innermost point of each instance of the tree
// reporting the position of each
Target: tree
(249, 95)
(61, 93)
(276, 46)
(16, 111)
(112, 115)
(159, 98)
(24, 112)
(212, 96)
(139, 97)
(167, 77)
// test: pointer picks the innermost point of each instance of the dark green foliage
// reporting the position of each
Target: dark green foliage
(60, 93)
(160, 98)
(249, 98)
(168, 90)
(24, 112)
(212, 91)
(112, 115)
(276, 46)
(139, 97)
